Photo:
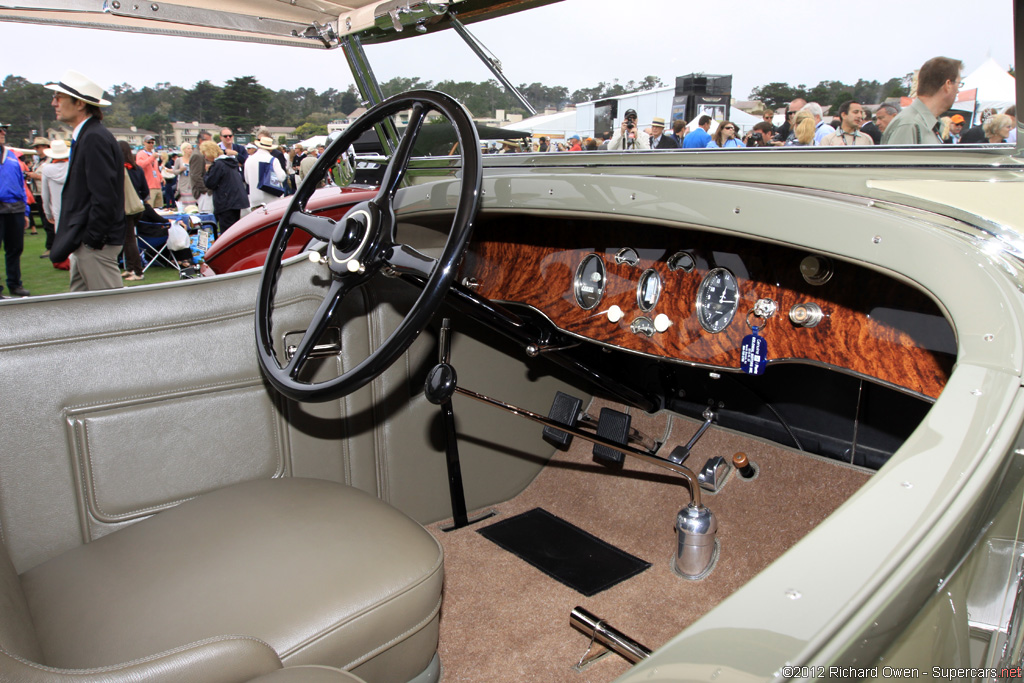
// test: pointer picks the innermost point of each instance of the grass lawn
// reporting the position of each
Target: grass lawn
(40, 277)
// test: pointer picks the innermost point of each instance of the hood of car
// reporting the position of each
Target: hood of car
(309, 23)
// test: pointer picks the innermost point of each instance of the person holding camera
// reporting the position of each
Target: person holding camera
(760, 135)
(629, 135)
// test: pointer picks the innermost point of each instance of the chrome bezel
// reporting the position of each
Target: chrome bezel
(628, 256)
(650, 272)
(578, 281)
(702, 309)
(674, 262)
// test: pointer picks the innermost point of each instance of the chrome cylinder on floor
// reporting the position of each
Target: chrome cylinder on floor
(696, 549)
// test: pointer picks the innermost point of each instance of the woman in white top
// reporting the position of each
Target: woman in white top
(53, 176)
(183, 197)
(252, 171)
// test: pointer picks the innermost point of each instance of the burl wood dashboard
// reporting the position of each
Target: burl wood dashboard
(700, 290)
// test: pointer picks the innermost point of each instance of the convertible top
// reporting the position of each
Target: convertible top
(306, 23)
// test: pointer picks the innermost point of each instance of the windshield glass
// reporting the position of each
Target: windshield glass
(584, 65)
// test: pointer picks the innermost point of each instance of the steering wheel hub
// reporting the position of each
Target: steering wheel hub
(351, 236)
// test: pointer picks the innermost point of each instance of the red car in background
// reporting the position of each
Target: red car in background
(244, 245)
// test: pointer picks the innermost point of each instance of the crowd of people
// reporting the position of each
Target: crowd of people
(91, 193)
(804, 123)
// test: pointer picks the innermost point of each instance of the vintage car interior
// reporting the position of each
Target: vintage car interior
(634, 417)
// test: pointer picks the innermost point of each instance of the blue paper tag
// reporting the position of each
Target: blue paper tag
(753, 354)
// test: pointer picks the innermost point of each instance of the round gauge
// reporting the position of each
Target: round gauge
(717, 300)
(588, 285)
(648, 291)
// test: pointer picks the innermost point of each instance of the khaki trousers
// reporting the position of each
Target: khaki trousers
(93, 269)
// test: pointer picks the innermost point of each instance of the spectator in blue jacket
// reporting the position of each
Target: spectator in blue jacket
(14, 214)
(699, 137)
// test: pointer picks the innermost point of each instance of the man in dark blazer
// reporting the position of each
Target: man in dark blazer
(92, 226)
(658, 138)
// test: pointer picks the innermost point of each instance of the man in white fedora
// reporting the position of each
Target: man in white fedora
(91, 225)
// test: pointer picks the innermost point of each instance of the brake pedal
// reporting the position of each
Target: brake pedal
(614, 426)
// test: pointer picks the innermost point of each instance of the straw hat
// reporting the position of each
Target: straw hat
(265, 143)
(79, 86)
(58, 150)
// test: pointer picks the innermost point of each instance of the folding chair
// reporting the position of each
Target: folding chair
(152, 238)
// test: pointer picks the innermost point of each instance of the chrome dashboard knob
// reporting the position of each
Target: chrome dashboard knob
(614, 314)
(806, 314)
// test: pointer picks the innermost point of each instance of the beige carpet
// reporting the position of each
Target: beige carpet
(504, 620)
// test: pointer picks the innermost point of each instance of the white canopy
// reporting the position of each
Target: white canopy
(558, 126)
(741, 118)
(996, 88)
(314, 142)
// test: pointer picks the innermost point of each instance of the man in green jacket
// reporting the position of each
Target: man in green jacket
(938, 83)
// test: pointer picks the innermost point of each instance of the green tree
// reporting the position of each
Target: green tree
(243, 103)
(308, 130)
(400, 84)
(26, 106)
(118, 114)
(774, 95)
(201, 103)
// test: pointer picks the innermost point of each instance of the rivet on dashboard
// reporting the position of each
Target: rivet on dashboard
(989, 337)
(736, 210)
(876, 239)
(633, 196)
(793, 594)
(976, 392)
(907, 485)
(550, 192)
(714, 375)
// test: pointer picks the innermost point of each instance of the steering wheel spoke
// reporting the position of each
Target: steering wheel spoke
(361, 243)
(395, 171)
(406, 260)
(319, 227)
(321, 319)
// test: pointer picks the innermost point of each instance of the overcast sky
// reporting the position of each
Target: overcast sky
(575, 43)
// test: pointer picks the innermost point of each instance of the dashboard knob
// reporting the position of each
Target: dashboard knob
(806, 315)
(662, 322)
(614, 314)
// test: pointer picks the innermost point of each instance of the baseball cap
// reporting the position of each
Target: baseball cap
(957, 118)
(149, 138)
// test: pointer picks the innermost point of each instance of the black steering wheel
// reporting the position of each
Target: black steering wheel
(364, 242)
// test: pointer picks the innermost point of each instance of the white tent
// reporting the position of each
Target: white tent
(996, 88)
(314, 142)
(557, 126)
(741, 118)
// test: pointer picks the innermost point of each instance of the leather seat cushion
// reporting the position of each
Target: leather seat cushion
(322, 572)
(308, 674)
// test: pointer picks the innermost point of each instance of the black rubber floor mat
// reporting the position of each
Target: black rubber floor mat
(564, 552)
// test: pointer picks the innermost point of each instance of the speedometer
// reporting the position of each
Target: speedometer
(717, 300)
(588, 284)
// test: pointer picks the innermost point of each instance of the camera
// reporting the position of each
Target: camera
(755, 140)
(630, 124)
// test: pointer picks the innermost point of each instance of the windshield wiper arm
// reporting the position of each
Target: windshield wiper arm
(489, 60)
